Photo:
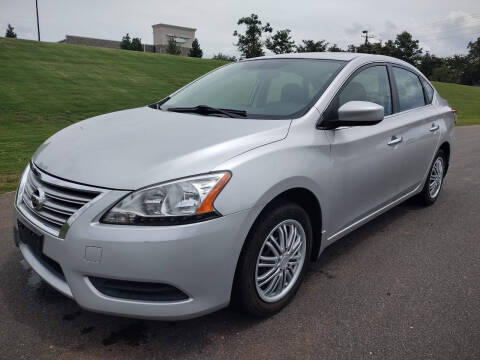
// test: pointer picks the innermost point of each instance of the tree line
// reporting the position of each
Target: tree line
(462, 69)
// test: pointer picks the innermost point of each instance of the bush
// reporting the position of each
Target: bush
(224, 57)
(10, 32)
(446, 74)
(172, 47)
(136, 44)
(126, 43)
(195, 51)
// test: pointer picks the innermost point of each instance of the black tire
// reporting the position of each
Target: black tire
(425, 198)
(245, 293)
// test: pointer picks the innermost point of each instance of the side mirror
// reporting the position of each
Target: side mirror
(355, 113)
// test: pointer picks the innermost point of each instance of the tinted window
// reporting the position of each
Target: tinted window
(410, 90)
(428, 91)
(276, 88)
(274, 93)
(372, 85)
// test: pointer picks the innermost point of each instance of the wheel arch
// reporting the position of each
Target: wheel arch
(445, 147)
(307, 199)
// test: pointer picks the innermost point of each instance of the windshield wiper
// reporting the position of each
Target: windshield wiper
(158, 104)
(207, 110)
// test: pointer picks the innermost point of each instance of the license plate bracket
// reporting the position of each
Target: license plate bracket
(33, 240)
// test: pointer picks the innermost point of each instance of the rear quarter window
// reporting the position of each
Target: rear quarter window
(428, 91)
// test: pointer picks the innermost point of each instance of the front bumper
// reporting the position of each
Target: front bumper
(198, 259)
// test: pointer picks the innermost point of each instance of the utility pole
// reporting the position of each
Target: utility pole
(366, 36)
(38, 23)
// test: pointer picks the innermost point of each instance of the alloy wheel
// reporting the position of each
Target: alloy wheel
(436, 178)
(280, 261)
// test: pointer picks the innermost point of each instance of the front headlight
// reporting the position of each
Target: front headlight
(176, 202)
(21, 185)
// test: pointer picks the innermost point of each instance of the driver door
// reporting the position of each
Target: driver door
(366, 163)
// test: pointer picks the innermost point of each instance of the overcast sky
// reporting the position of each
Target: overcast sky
(443, 27)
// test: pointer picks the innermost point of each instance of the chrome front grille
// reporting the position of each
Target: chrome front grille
(49, 201)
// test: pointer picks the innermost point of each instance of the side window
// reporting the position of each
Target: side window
(372, 85)
(410, 90)
(428, 91)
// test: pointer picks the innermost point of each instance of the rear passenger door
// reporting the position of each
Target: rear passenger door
(418, 127)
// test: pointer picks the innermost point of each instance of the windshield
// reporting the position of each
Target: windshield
(267, 89)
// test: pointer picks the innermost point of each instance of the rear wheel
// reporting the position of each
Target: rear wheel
(434, 182)
(274, 259)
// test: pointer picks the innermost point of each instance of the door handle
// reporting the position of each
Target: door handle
(395, 140)
(434, 127)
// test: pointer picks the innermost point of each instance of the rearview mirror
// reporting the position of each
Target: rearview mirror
(355, 113)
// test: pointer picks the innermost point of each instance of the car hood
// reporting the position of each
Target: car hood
(138, 147)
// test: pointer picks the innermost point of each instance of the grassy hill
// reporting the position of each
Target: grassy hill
(466, 99)
(45, 87)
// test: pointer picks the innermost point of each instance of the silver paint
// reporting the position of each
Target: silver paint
(355, 174)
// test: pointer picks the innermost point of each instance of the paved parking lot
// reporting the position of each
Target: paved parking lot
(405, 286)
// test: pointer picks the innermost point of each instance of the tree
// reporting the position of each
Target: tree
(126, 43)
(136, 44)
(446, 74)
(474, 48)
(251, 44)
(351, 48)
(428, 63)
(172, 47)
(389, 49)
(471, 74)
(10, 33)
(312, 46)
(370, 48)
(407, 49)
(195, 51)
(281, 42)
(404, 48)
(461, 66)
(224, 57)
(131, 44)
(334, 48)
(461, 69)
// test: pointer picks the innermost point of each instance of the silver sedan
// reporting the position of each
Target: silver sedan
(223, 191)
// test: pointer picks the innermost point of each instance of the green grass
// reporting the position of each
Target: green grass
(466, 99)
(45, 87)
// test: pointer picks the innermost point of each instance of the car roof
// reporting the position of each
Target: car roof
(346, 56)
(360, 58)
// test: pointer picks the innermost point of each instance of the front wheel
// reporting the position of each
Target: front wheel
(434, 181)
(274, 259)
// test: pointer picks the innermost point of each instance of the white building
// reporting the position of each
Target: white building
(183, 36)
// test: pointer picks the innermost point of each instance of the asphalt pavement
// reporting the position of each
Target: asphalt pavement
(404, 286)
